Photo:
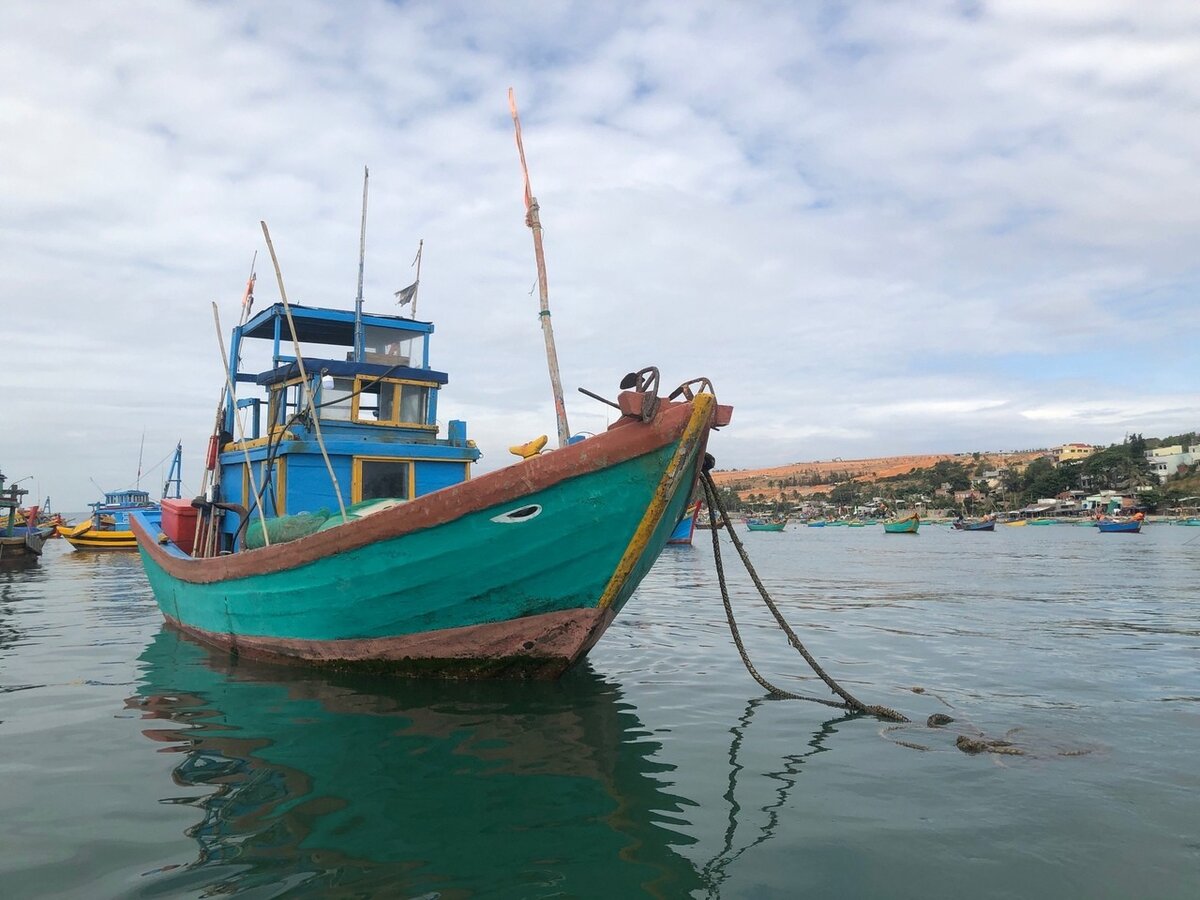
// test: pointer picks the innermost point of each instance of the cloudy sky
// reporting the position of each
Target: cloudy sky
(879, 228)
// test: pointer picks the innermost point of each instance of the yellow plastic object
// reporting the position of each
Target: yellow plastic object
(529, 448)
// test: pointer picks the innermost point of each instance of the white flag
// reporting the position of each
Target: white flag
(406, 294)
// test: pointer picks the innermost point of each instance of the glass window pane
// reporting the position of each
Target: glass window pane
(413, 403)
(384, 478)
(336, 397)
(385, 347)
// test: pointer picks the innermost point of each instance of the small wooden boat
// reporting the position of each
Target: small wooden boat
(108, 527)
(771, 524)
(687, 526)
(1191, 521)
(1017, 523)
(19, 541)
(815, 523)
(1119, 526)
(907, 525)
(855, 523)
(988, 524)
(1043, 521)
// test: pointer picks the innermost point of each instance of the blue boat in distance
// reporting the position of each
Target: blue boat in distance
(1114, 526)
(687, 526)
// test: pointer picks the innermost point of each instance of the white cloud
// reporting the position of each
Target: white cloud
(866, 223)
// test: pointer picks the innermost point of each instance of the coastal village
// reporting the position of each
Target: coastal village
(1156, 477)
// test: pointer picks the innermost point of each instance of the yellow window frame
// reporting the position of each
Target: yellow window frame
(396, 384)
(356, 476)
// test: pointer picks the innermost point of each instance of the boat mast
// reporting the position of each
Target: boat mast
(535, 225)
(362, 252)
(138, 484)
(308, 397)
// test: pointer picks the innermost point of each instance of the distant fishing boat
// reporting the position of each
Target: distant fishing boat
(1191, 521)
(774, 523)
(986, 524)
(1017, 523)
(907, 525)
(1120, 526)
(855, 523)
(815, 523)
(687, 526)
(1043, 521)
(108, 526)
(19, 541)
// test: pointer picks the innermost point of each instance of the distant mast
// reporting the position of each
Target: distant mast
(535, 225)
(362, 252)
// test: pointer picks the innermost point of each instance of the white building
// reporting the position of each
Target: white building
(1165, 461)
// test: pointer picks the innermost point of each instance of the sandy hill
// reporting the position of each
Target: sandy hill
(819, 476)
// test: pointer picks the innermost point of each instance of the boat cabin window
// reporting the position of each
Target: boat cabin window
(388, 347)
(414, 403)
(337, 398)
(390, 402)
(377, 401)
(284, 402)
(376, 478)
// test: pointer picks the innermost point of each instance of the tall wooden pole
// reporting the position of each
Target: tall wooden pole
(308, 398)
(362, 252)
(535, 225)
(417, 262)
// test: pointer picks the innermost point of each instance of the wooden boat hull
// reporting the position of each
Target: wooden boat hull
(86, 537)
(1119, 527)
(766, 526)
(906, 526)
(516, 572)
(24, 542)
(975, 526)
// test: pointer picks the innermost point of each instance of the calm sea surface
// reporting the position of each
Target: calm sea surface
(134, 762)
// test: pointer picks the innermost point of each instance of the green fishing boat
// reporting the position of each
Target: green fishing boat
(338, 527)
(907, 525)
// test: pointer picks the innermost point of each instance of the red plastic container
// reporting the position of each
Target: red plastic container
(179, 522)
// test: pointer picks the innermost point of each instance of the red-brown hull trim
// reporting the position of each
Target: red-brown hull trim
(542, 646)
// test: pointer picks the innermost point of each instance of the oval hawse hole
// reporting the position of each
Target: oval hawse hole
(520, 514)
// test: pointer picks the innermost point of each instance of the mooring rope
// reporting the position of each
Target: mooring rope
(715, 505)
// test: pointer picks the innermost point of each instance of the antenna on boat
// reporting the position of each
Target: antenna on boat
(535, 225)
(362, 252)
(308, 399)
(140, 449)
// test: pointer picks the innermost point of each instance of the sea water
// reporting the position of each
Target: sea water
(135, 762)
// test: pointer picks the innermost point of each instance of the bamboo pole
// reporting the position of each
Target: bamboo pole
(417, 262)
(308, 399)
(241, 430)
(535, 225)
(362, 252)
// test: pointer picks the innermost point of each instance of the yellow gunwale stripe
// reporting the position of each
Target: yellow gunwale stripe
(702, 412)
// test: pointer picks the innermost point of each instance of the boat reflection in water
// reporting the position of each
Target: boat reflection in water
(347, 785)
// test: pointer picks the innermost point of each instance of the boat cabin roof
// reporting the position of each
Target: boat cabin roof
(125, 498)
(349, 369)
(327, 326)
